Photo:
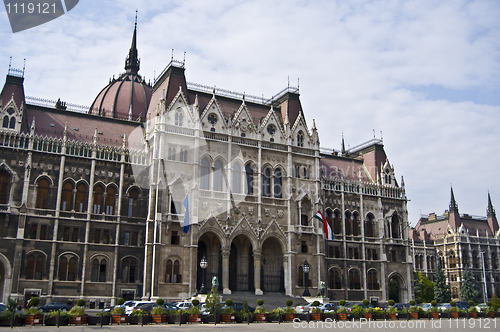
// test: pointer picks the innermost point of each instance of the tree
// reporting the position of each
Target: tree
(424, 288)
(442, 291)
(469, 288)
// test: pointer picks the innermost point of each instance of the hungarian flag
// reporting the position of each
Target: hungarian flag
(326, 226)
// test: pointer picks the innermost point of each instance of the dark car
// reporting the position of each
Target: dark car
(401, 306)
(239, 307)
(54, 306)
(148, 307)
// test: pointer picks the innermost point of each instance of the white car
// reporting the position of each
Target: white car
(184, 305)
(131, 306)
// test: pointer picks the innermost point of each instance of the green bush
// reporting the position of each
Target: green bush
(366, 302)
(103, 314)
(80, 302)
(158, 311)
(472, 308)
(391, 302)
(316, 304)
(77, 311)
(289, 303)
(54, 313)
(195, 302)
(118, 311)
(342, 303)
(32, 311)
(160, 302)
(470, 303)
(412, 302)
(356, 311)
(139, 313)
(453, 303)
(120, 301)
(229, 302)
(342, 310)
(260, 302)
(34, 301)
(434, 303)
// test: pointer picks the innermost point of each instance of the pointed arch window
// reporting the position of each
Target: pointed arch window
(277, 183)
(372, 280)
(98, 197)
(67, 268)
(300, 139)
(266, 182)
(178, 117)
(336, 223)
(355, 224)
(12, 124)
(369, 226)
(248, 180)
(110, 200)
(218, 175)
(133, 199)
(354, 279)
(4, 186)
(173, 274)
(98, 270)
(347, 221)
(81, 191)
(129, 270)
(395, 227)
(42, 194)
(34, 266)
(5, 123)
(205, 174)
(67, 197)
(334, 279)
(236, 178)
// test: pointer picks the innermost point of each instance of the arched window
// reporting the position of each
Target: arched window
(129, 270)
(266, 182)
(178, 117)
(300, 280)
(354, 280)
(347, 222)
(98, 270)
(218, 169)
(372, 280)
(395, 227)
(452, 259)
(465, 258)
(300, 139)
(334, 279)
(5, 123)
(67, 268)
(432, 262)
(133, 198)
(98, 191)
(12, 123)
(336, 223)
(80, 205)
(355, 224)
(236, 178)
(42, 194)
(248, 180)
(110, 200)
(4, 186)
(34, 266)
(173, 274)
(67, 196)
(454, 292)
(277, 183)
(205, 174)
(369, 226)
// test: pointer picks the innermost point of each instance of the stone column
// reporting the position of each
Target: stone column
(225, 272)
(256, 267)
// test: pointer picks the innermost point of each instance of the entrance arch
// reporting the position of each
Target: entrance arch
(5, 278)
(272, 273)
(209, 245)
(397, 288)
(241, 265)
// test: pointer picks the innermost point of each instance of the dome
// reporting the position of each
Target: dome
(127, 97)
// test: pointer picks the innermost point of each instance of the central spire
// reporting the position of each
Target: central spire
(132, 62)
(453, 203)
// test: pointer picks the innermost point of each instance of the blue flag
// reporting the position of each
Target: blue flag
(185, 226)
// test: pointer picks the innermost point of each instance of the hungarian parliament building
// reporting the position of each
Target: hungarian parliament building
(126, 197)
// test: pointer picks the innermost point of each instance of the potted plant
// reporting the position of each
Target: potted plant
(315, 311)
(453, 309)
(490, 311)
(77, 313)
(181, 316)
(102, 317)
(32, 314)
(194, 312)
(260, 314)
(118, 316)
(158, 314)
(367, 312)
(138, 317)
(289, 311)
(244, 315)
(433, 310)
(378, 313)
(213, 305)
(413, 310)
(228, 315)
(342, 311)
(472, 311)
(10, 316)
(391, 310)
(57, 317)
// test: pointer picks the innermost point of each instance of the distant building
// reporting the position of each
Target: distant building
(92, 200)
(458, 242)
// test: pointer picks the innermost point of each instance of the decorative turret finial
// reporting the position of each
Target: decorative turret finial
(453, 203)
(343, 145)
(95, 136)
(124, 143)
(490, 212)
(33, 126)
(132, 63)
(65, 131)
(313, 128)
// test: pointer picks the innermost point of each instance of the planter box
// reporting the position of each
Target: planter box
(139, 319)
(228, 318)
(491, 314)
(367, 315)
(260, 318)
(211, 319)
(391, 315)
(157, 319)
(402, 316)
(52, 321)
(342, 316)
(301, 317)
(96, 320)
(119, 319)
(33, 319)
(194, 318)
(434, 315)
(414, 315)
(473, 314)
(315, 316)
(78, 320)
(288, 317)
(454, 314)
(18, 321)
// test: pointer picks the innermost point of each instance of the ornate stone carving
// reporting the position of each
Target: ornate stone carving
(280, 214)
(250, 210)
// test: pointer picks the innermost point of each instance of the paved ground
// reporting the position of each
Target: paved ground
(443, 325)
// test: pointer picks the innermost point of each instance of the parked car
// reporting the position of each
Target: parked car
(463, 305)
(303, 307)
(54, 306)
(424, 306)
(239, 307)
(481, 307)
(3, 307)
(328, 307)
(444, 306)
(401, 306)
(134, 306)
(183, 305)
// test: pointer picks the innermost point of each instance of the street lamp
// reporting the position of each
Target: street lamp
(484, 278)
(203, 265)
(306, 269)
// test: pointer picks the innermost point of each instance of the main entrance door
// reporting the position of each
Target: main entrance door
(241, 265)
(272, 277)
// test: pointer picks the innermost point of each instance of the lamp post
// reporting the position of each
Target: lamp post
(203, 265)
(484, 279)
(306, 269)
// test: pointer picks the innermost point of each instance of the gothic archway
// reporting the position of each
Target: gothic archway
(272, 273)
(241, 264)
(209, 245)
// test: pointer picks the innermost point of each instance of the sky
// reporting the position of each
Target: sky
(423, 75)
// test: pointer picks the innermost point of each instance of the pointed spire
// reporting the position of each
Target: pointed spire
(33, 126)
(491, 211)
(314, 125)
(343, 145)
(65, 131)
(453, 203)
(132, 62)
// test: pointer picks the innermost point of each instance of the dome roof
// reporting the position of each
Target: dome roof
(128, 96)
